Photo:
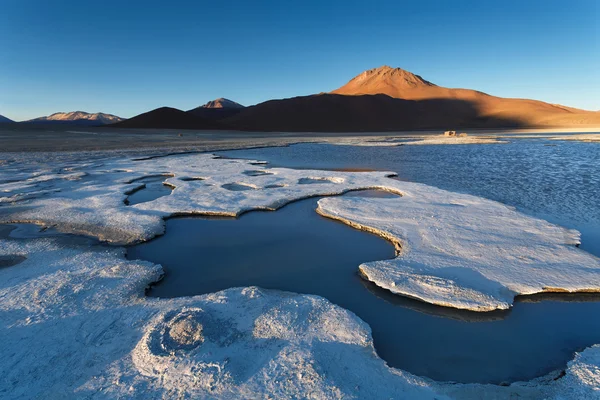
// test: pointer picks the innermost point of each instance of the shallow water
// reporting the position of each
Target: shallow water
(297, 250)
(9, 261)
(154, 188)
(33, 231)
(559, 183)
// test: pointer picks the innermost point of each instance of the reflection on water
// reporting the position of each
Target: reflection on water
(297, 250)
(559, 183)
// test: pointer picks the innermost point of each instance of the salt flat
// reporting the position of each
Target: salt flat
(420, 140)
(466, 252)
(76, 321)
(590, 137)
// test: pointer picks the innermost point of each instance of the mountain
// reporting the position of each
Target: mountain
(377, 100)
(392, 99)
(4, 120)
(77, 118)
(168, 118)
(367, 113)
(217, 109)
(394, 82)
(401, 84)
(222, 103)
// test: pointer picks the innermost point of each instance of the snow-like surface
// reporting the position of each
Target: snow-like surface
(366, 142)
(457, 250)
(228, 187)
(590, 137)
(456, 140)
(75, 321)
(466, 252)
(421, 140)
(582, 379)
(76, 324)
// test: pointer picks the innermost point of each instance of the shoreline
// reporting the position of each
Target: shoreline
(82, 139)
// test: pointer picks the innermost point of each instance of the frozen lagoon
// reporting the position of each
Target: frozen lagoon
(148, 227)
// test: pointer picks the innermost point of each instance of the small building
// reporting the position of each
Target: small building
(450, 133)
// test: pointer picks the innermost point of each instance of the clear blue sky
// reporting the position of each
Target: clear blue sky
(126, 57)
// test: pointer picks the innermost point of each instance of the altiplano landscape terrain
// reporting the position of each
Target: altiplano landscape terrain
(300, 200)
(382, 99)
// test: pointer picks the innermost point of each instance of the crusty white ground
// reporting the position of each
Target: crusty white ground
(464, 251)
(589, 137)
(76, 324)
(420, 140)
(456, 140)
(94, 206)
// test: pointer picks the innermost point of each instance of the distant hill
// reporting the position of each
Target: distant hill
(77, 118)
(217, 109)
(4, 120)
(168, 118)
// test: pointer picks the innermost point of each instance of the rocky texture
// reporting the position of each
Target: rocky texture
(395, 82)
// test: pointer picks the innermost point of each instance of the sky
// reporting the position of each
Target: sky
(129, 56)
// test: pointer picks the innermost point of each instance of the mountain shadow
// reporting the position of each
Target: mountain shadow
(169, 118)
(364, 113)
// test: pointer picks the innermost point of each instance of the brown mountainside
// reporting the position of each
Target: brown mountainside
(401, 84)
(217, 109)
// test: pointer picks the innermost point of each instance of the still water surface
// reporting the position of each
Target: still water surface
(555, 180)
(297, 250)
